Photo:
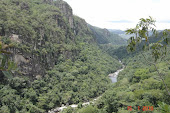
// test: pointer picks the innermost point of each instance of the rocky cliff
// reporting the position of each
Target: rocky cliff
(66, 10)
(43, 39)
(59, 61)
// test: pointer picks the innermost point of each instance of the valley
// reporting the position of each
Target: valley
(52, 60)
(113, 78)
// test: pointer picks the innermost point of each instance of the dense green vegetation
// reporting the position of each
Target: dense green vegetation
(138, 85)
(72, 68)
(67, 82)
(64, 63)
(141, 83)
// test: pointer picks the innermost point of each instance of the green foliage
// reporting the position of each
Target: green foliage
(163, 108)
(140, 74)
(71, 58)
(138, 85)
(141, 32)
(81, 68)
(6, 64)
(88, 109)
(76, 69)
(67, 82)
(81, 73)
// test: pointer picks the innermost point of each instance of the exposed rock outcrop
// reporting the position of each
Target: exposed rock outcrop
(39, 47)
(15, 38)
(66, 10)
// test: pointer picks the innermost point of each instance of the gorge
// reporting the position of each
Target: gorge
(57, 56)
(51, 59)
(112, 76)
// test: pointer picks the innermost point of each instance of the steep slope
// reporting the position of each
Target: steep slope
(104, 36)
(139, 87)
(58, 59)
(40, 39)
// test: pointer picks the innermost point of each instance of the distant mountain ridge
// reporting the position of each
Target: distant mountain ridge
(120, 33)
(104, 36)
(123, 34)
(117, 31)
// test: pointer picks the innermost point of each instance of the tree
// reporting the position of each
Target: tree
(140, 40)
(6, 65)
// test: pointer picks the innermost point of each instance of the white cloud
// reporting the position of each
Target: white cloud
(101, 12)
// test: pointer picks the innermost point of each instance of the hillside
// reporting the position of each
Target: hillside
(50, 58)
(139, 87)
(104, 36)
(57, 57)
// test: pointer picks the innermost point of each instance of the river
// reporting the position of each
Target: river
(112, 76)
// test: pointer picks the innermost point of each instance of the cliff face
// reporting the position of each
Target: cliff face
(77, 24)
(43, 34)
(106, 33)
(66, 10)
(59, 62)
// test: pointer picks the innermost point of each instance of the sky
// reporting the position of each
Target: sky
(121, 14)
